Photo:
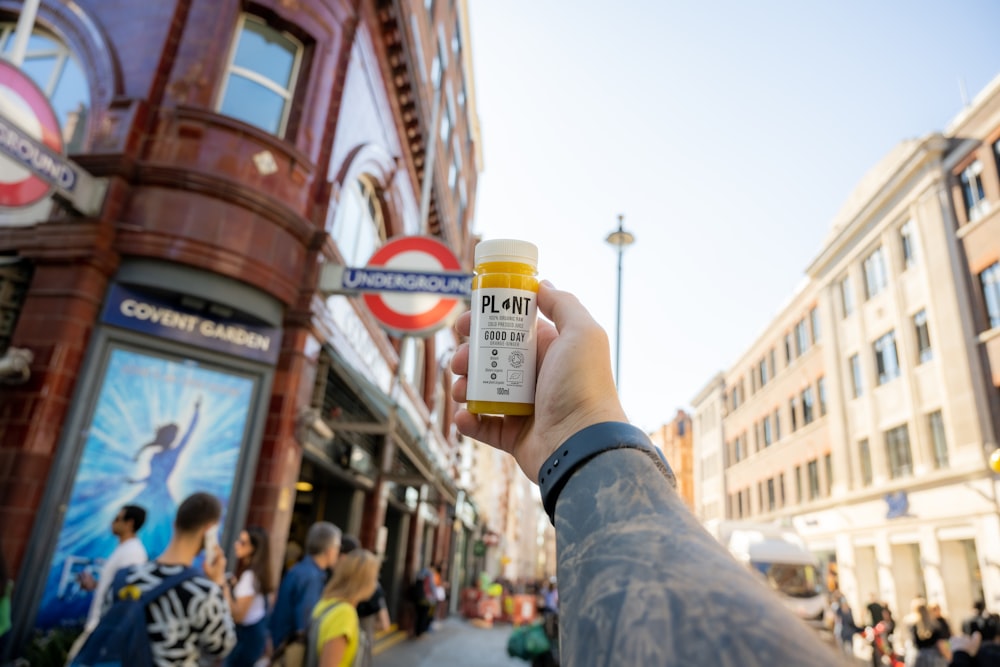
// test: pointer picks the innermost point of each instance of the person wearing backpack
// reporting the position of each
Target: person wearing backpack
(165, 613)
(334, 630)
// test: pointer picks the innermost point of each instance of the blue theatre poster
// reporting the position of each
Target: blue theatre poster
(162, 428)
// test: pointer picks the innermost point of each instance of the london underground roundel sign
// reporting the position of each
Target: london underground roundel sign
(418, 311)
(26, 106)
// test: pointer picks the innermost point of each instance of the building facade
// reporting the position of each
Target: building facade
(674, 440)
(708, 447)
(882, 402)
(177, 338)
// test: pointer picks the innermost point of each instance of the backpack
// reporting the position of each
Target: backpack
(312, 641)
(528, 642)
(120, 638)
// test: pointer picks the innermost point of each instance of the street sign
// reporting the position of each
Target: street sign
(26, 112)
(31, 147)
(413, 285)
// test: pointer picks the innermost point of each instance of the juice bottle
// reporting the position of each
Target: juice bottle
(502, 342)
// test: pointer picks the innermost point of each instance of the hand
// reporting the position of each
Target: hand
(86, 581)
(574, 389)
(215, 566)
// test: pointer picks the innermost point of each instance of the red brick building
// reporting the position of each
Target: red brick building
(177, 337)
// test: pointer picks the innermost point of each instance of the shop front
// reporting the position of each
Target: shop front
(171, 400)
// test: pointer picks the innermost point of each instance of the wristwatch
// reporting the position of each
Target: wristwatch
(584, 445)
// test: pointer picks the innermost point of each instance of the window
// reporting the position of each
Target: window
(411, 355)
(813, 471)
(857, 387)
(798, 484)
(875, 277)
(936, 423)
(801, 338)
(807, 406)
(781, 488)
(777, 426)
(897, 452)
(821, 391)
(436, 71)
(906, 243)
(846, 296)
(791, 409)
(865, 456)
(886, 361)
(768, 434)
(972, 191)
(774, 363)
(762, 370)
(760, 496)
(446, 126)
(771, 496)
(924, 352)
(788, 349)
(358, 228)
(261, 76)
(456, 39)
(990, 281)
(828, 469)
(814, 324)
(52, 65)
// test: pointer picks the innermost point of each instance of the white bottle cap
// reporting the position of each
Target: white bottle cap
(506, 250)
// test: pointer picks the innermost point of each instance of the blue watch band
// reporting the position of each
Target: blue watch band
(584, 445)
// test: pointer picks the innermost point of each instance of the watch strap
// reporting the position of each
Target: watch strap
(584, 445)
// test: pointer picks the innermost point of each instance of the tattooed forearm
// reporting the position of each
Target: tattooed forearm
(642, 583)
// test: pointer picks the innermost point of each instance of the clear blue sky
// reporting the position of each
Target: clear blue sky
(728, 133)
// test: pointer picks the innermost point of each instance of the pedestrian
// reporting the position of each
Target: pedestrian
(299, 592)
(939, 620)
(190, 622)
(640, 580)
(874, 610)
(335, 636)
(424, 601)
(928, 643)
(980, 619)
(373, 615)
(129, 551)
(844, 627)
(252, 583)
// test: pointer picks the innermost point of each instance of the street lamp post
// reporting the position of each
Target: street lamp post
(620, 239)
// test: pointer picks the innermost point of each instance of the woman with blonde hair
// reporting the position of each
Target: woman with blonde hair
(334, 634)
(928, 645)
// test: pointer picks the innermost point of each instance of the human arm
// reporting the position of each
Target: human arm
(641, 581)
(243, 596)
(333, 652)
(382, 620)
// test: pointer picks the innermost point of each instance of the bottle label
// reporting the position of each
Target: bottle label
(502, 345)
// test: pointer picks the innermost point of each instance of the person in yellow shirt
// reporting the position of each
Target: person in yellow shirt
(335, 617)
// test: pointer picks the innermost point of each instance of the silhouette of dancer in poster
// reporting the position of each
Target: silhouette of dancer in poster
(167, 449)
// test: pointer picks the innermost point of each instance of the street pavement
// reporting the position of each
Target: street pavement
(454, 642)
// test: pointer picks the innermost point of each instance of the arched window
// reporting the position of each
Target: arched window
(261, 75)
(358, 226)
(51, 64)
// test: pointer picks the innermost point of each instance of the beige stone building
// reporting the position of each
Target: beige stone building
(862, 414)
(708, 450)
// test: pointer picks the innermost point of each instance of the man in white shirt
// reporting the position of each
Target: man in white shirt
(129, 551)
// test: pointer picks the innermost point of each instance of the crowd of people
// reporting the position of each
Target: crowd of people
(323, 613)
(923, 638)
